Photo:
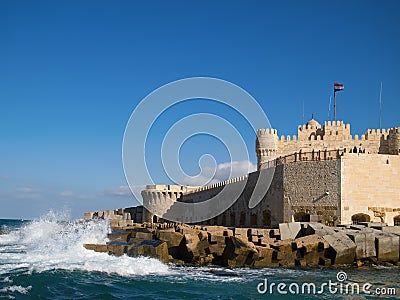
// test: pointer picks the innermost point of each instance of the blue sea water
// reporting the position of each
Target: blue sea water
(45, 259)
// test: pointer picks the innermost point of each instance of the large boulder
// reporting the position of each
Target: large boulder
(192, 248)
(342, 249)
(120, 236)
(285, 252)
(219, 230)
(117, 248)
(216, 244)
(365, 243)
(310, 250)
(238, 252)
(264, 257)
(173, 240)
(387, 247)
(96, 247)
(290, 230)
(150, 248)
(142, 234)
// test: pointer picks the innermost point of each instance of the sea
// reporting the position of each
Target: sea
(45, 259)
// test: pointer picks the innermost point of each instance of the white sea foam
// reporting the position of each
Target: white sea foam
(16, 288)
(49, 244)
(7, 280)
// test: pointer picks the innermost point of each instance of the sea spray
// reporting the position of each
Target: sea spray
(54, 242)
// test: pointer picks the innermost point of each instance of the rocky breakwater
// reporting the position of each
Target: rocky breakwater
(293, 244)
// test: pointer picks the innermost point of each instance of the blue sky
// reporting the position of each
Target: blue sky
(71, 73)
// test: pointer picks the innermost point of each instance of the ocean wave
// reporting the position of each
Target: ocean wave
(16, 288)
(50, 244)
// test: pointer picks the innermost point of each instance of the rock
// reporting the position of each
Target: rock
(238, 252)
(192, 248)
(117, 248)
(391, 229)
(96, 247)
(387, 247)
(300, 262)
(311, 248)
(265, 241)
(342, 249)
(365, 243)
(359, 263)
(319, 229)
(290, 230)
(323, 261)
(142, 235)
(244, 233)
(88, 215)
(263, 258)
(372, 224)
(120, 236)
(150, 248)
(219, 230)
(173, 240)
(217, 245)
(285, 252)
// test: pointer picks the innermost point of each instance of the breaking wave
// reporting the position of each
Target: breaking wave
(53, 242)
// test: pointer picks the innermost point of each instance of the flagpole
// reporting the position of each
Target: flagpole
(329, 107)
(334, 105)
(380, 107)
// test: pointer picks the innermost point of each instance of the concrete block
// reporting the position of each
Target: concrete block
(150, 248)
(342, 249)
(365, 243)
(387, 247)
(289, 230)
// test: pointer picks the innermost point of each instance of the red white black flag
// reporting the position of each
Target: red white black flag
(338, 87)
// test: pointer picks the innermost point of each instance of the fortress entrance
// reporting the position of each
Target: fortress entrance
(360, 217)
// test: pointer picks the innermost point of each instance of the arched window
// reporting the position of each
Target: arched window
(253, 220)
(301, 217)
(357, 218)
(266, 220)
(155, 219)
(233, 219)
(396, 221)
(242, 220)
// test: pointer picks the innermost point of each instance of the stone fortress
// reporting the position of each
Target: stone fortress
(323, 174)
(322, 177)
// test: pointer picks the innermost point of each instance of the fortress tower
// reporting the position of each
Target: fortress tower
(394, 141)
(266, 146)
(332, 136)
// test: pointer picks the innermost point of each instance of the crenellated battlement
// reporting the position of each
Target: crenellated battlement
(333, 135)
(264, 131)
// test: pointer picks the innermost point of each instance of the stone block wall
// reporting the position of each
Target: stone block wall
(370, 185)
(312, 189)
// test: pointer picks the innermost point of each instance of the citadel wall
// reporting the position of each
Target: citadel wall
(370, 184)
(333, 135)
(312, 191)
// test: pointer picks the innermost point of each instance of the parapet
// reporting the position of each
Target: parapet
(263, 131)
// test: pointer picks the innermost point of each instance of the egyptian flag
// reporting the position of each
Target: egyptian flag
(338, 87)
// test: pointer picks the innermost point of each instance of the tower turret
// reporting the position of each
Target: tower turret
(394, 140)
(266, 143)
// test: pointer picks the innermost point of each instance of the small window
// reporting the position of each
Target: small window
(396, 221)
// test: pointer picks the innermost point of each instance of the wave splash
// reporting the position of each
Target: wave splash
(53, 242)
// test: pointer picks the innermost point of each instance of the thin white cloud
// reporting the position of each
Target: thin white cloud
(28, 189)
(122, 190)
(223, 171)
(66, 193)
